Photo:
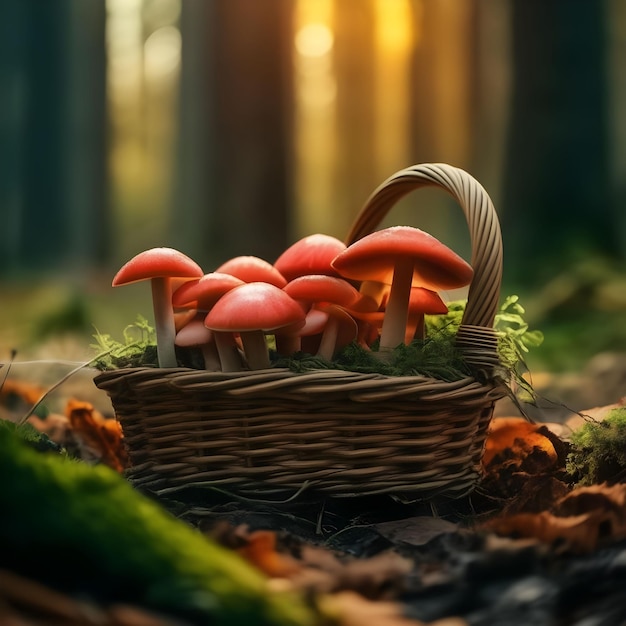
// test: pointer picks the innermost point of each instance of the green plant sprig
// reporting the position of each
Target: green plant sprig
(138, 348)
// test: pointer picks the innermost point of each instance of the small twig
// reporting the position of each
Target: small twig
(47, 362)
(319, 526)
(9, 364)
(58, 384)
(346, 529)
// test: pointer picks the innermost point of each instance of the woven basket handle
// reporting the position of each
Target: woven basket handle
(484, 227)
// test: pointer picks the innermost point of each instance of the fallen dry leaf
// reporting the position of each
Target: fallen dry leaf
(18, 397)
(102, 436)
(606, 498)
(579, 521)
(534, 494)
(516, 441)
(312, 568)
(260, 549)
(352, 609)
(323, 571)
(523, 466)
(415, 531)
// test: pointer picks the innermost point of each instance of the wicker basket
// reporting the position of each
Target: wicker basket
(272, 433)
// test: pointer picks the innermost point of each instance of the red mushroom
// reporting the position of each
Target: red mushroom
(421, 302)
(196, 335)
(340, 330)
(376, 292)
(402, 256)
(253, 269)
(289, 339)
(160, 265)
(315, 288)
(319, 291)
(182, 318)
(310, 255)
(206, 291)
(203, 294)
(252, 310)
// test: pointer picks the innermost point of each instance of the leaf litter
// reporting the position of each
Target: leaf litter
(532, 542)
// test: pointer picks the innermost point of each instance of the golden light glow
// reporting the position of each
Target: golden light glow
(314, 40)
(452, 88)
(393, 46)
(162, 53)
(393, 25)
(315, 96)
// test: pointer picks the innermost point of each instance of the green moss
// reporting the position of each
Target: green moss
(86, 530)
(30, 436)
(598, 450)
(436, 356)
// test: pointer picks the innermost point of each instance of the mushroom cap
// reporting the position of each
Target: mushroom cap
(206, 291)
(253, 269)
(195, 333)
(182, 318)
(314, 324)
(310, 255)
(157, 263)
(374, 256)
(254, 306)
(427, 301)
(320, 288)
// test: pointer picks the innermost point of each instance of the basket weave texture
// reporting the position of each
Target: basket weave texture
(272, 433)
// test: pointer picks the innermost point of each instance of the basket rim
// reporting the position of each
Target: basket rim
(193, 375)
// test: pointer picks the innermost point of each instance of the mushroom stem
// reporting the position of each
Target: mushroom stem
(255, 349)
(419, 332)
(397, 311)
(165, 326)
(328, 341)
(227, 350)
(287, 344)
(211, 357)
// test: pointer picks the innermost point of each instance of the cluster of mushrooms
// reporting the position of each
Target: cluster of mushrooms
(319, 296)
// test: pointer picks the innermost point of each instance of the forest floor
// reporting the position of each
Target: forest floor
(526, 547)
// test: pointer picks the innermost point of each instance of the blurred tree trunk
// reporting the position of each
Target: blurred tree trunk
(236, 128)
(354, 66)
(555, 196)
(52, 161)
(86, 176)
(444, 108)
(194, 209)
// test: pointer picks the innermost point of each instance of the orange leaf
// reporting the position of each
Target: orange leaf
(581, 519)
(512, 440)
(18, 396)
(104, 436)
(260, 550)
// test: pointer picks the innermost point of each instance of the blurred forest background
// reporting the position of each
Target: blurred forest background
(227, 127)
